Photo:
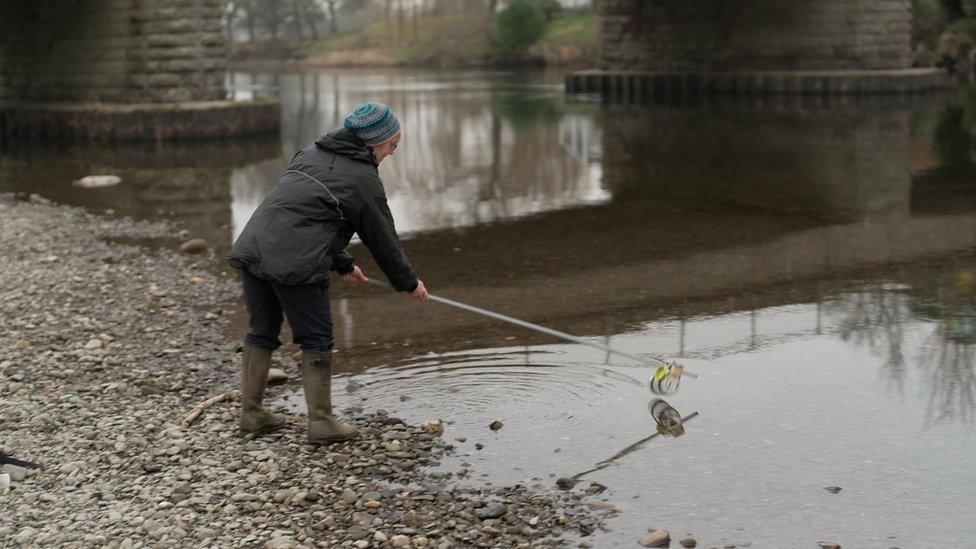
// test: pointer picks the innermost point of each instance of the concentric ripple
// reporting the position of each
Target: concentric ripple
(470, 384)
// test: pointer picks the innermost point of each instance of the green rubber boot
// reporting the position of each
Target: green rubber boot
(254, 378)
(317, 380)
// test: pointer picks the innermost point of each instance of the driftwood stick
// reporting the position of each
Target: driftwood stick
(199, 408)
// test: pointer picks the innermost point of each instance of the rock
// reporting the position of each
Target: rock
(400, 540)
(565, 483)
(828, 545)
(434, 427)
(276, 375)
(357, 532)
(492, 510)
(496, 425)
(93, 344)
(371, 496)
(16, 472)
(194, 246)
(25, 535)
(379, 537)
(281, 542)
(349, 496)
(97, 181)
(688, 542)
(183, 235)
(833, 489)
(71, 467)
(594, 488)
(656, 538)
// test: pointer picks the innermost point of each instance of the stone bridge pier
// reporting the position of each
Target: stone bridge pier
(651, 48)
(119, 69)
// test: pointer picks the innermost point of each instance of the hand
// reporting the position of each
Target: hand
(355, 276)
(420, 292)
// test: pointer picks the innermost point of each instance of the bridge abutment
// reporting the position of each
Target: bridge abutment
(739, 47)
(119, 69)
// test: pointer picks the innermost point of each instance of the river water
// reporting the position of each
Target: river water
(813, 262)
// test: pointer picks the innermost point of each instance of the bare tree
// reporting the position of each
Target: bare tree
(333, 20)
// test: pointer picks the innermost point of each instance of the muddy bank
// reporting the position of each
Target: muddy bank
(106, 346)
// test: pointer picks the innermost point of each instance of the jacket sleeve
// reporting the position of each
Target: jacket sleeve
(342, 261)
(375, 227)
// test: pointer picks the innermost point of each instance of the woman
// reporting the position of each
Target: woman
(296, 236)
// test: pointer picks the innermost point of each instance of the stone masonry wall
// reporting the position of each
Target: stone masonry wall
(726, 35)
(111, 51)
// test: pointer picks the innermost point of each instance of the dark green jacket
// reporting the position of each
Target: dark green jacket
(330, 190)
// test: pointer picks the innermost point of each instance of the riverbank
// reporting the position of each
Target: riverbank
(105, 348)
(449, 41)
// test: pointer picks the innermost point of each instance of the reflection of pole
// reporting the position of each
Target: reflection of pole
(819, 313)
(681, 339)
(752, 329)
(567, 482)
(347, 322)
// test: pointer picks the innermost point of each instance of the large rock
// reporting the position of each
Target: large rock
(656, 538)
(194, 246)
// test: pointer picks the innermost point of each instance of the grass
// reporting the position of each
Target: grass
(457, 39)
(572, 28)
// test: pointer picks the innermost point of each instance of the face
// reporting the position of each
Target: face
(386, 149)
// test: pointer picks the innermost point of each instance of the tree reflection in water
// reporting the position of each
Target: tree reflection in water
(945, 307)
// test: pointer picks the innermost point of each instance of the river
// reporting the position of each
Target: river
(814, 262)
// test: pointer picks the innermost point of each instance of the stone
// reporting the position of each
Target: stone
(357, 532)
(496, 425)
(16, 472)
(25, 535)
(281, 542)
(656, 538)
(97, 181)
(833, 489)
(828, 545)
(348, 496)
(400, 540)
(492, 510)
(194, 246)
(688, 542)
(276, 375)
(71, 467)
(434, 427)
(565, 483)
(594, 488)
(93, 344)
(379, 537)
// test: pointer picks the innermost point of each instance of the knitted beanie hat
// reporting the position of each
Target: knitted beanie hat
(374, 123)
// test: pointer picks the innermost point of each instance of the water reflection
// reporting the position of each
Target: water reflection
(477, 148)
(190, 182)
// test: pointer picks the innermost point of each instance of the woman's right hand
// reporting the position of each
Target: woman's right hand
(420, 292)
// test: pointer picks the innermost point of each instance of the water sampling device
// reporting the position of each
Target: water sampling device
(664, 381)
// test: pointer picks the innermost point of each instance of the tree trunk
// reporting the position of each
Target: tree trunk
(333, 25)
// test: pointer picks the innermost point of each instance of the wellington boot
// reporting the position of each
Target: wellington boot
(254, 378)
(317, 380)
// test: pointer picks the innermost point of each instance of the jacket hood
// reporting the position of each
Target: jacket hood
(346, 143)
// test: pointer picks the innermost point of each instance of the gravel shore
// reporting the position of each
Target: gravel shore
(105, 347)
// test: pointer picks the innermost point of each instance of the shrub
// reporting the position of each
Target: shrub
(519, 25)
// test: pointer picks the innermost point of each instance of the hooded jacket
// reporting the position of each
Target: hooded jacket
(330, 190)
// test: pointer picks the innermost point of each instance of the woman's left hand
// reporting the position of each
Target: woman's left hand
(355, 276)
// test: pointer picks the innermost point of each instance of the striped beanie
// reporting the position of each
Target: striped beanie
(374, 123)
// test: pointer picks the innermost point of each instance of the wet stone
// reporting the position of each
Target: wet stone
(656, 538)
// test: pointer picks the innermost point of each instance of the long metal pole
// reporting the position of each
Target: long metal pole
(534, 327)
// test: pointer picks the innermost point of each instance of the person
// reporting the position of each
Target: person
(299, 234)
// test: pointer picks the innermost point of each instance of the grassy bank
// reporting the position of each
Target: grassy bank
(456, 40)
